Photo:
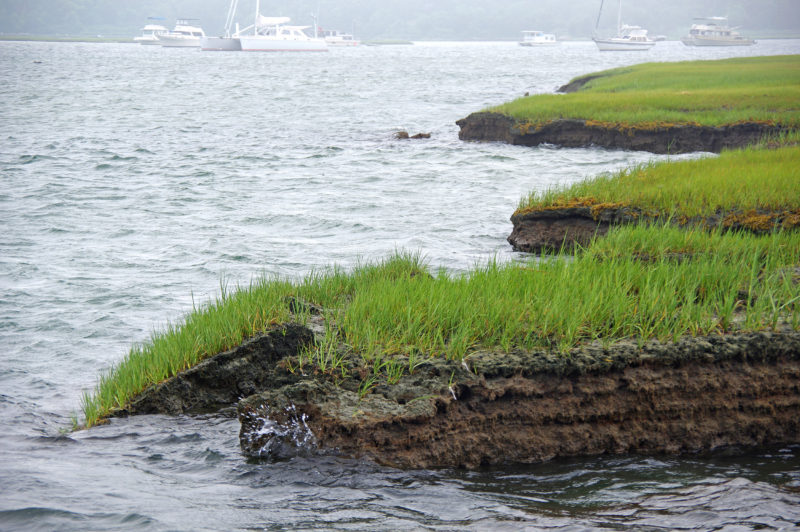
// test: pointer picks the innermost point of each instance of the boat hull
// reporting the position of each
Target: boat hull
(220, 44)
(147, 41)
(694, 41)
(258, 43)
(610, 45)
(179, 42)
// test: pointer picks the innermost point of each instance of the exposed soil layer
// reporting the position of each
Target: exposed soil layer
(571, 133)
(522, 406)
(220, 381)
(578, 83)
(695, 395)
(552, 228)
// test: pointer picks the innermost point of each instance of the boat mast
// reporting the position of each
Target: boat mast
(619, 19)
(597, 24)
(255, 22)
(229, 19)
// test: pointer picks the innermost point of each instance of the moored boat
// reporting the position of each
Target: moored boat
(227, 42)
(184, 35)
(272, 34)
(537, 38)
(337, 38)
(714, 31)
(628, 37)
(151, 32)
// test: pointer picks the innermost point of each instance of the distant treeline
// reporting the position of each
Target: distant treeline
(409, 19)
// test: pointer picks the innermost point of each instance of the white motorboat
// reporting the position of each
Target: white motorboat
(714, 31)
(537, 38)
(337, 38)
(227, 42)
(151, 32)
(628, 37)
(185, 35)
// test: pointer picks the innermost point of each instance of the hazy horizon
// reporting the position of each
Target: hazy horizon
(412, 19)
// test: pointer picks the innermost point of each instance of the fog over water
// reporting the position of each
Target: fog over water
(138, 179)
(410, 19)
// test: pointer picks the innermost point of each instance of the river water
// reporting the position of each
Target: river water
(138, 180)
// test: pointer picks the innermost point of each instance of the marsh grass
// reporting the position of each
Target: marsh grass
(748, 179)
(395, 309)
(652, 95)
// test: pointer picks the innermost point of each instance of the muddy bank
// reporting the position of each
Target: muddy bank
(220, 381)
(697, 395)
(570, 133)
(552, 228)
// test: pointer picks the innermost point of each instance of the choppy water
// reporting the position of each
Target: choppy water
(135, 179)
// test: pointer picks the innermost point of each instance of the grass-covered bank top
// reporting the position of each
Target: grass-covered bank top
(397, 310)
(760, 180)
(650, 95)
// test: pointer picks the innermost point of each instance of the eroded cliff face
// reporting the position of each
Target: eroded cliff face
(570, 133)
(694, 395)
(554, 228)
(221, 380)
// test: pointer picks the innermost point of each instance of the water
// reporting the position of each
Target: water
(136, 180)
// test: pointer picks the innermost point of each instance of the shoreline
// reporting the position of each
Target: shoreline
(700, 395)
(694, 395)
(676, 139)
(653, 339)
(668, 108)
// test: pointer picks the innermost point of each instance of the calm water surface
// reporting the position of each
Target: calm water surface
(138, 179)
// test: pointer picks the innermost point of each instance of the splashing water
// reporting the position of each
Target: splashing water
(263, 437)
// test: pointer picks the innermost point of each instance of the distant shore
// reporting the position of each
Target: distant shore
(368, 42)
(67, 38)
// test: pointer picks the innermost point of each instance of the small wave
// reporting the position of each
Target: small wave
(24, 517)
(28, 159)
(103, 166)
(715, 506)
(179, 439)
(41, 518)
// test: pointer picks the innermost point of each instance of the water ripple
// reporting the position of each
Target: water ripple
(228, 166)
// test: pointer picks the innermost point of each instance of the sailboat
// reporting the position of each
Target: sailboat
(272, 34)
(627, 38)
(225, 43)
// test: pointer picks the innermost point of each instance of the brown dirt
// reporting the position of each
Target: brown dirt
(496, 127)
(547, 229)
(697, 395)
(223, 379)
(553, 229)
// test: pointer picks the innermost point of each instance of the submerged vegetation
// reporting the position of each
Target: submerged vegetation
(654, 95)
